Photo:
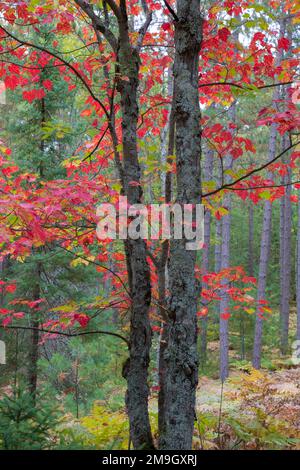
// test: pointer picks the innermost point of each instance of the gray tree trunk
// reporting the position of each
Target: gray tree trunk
(262, 279)
(163, 286)
(224, 302)
(207, 175)
(251, 240)
(181, 359)
(264, 255)
(285, 261)
(136, 368)
(266, 238)
(286, 224)
(298, 274)
(218, 227)
(225, 263)
(34, 337)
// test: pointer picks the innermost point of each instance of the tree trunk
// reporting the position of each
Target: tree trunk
(163, 285)
(34, 340)
(207, 174)
(181, 360)
(251, 240)
(225, 263)
(264, 256)
(285, 220)
(285, 261)
(135, 369)
(298, 274)
(262, 278)
(224, 302)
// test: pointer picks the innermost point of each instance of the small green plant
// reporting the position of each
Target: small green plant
(24, 425)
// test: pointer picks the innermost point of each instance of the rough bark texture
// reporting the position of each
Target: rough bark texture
(181, 376)
(136, 368)
(163, 276)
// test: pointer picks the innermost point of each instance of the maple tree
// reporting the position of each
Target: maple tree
(112, 58)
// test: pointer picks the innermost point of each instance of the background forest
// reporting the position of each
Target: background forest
(70, 311)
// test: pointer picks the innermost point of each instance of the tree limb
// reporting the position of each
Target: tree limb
(171, 10)
(61, 333)
(252, 172)
(98, 23)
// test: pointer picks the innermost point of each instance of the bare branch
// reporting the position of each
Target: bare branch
(171, 10)
(237, 85)
(115, 8)
(252, 172)
(63, 61)
(63, 333)
(145, 26)
(98, 23)
(266, 186)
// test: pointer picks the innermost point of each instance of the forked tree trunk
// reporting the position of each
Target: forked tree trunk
(136, 368)
(181, 360)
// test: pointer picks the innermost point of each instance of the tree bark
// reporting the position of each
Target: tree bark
(285, 261)
(298, 274)
(224, 302)
(251, 240)
(225, 263)
(181, 360)
(135, 369)
(285, 220)
(207, 174)
(34, 339)
(163, 285)
(264, 256)
(262, 280)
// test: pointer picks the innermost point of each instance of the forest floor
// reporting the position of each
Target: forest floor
(256, 410)
(283, 382)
